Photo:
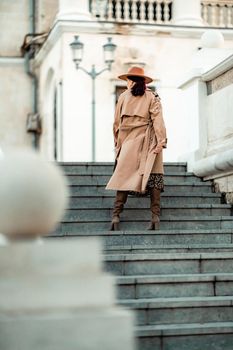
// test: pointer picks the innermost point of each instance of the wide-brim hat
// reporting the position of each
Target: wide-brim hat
(138, 72)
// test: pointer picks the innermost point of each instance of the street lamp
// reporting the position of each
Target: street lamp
(77, 51)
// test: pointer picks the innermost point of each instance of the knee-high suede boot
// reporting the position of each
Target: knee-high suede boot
(155, 209)
(121, 198)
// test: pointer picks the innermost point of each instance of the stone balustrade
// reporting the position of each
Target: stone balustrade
(218, 13)
(215, 13)
(144, 11)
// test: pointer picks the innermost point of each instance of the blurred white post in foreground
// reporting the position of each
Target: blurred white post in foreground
(55, 295)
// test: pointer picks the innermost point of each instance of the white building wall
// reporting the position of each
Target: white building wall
(155, 52)
(220, 120)
(50, 77)
(167, 55)
(15, 97)
(14, 24)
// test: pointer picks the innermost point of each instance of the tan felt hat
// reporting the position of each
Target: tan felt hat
(136, 71)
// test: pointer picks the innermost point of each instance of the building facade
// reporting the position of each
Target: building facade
(46, 102)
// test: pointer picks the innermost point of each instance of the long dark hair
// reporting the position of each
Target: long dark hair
(139, 87)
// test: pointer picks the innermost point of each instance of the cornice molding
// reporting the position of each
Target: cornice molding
(112, 28)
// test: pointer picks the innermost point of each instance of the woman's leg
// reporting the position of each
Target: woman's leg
(121, 198)
(155, 208)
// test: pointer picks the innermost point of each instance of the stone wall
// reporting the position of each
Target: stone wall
(14, 21)
(216, 160)
(15, 97)
(45, 14)
(16, 87)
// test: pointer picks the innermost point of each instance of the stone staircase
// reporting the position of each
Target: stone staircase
(179, 280)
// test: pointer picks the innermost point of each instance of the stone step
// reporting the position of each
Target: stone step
(175, 285)
(101, 168)
(71, 227)
(157, 311)
(149, 238)
(103, 213)
(169, 178)
(168, 263)
(170, 189)
(79, 202)
(194, 336)
(178, 248)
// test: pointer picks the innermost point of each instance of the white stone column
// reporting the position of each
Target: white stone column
(74, 10)
(187, 12)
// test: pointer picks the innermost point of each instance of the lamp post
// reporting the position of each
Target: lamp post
(77, 50)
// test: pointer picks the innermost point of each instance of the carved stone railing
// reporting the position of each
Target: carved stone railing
(218, 13)
(215, 13)
(143, 11)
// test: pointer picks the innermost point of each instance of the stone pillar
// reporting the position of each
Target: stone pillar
(56, 296)
(187, 12)
(74, 10)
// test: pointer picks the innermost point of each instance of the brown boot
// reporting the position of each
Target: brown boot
(155, 209)
(121, 198)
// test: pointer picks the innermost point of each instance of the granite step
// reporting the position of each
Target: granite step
(168, 263)
(179, 279)
(133, 223)
(155, 311)
(172, 248)
(170, 189)
(193, 336)
(150, 238)
(169, 178)
(144, 213)
(175, 285)
(80, 202)
(90, 168)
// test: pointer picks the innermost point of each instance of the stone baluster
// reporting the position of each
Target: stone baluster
(229, 15)
(126, 10)
(134, 10)
(158, 11)
(150, 10)
(118, 11)
(110, 11)
(213, 15)
(205, 12)
(166, 11)
(93, 8)
(142, 12)
(221, 15)
(102, 11)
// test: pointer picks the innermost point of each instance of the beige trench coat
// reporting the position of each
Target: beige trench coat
(138, 128)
